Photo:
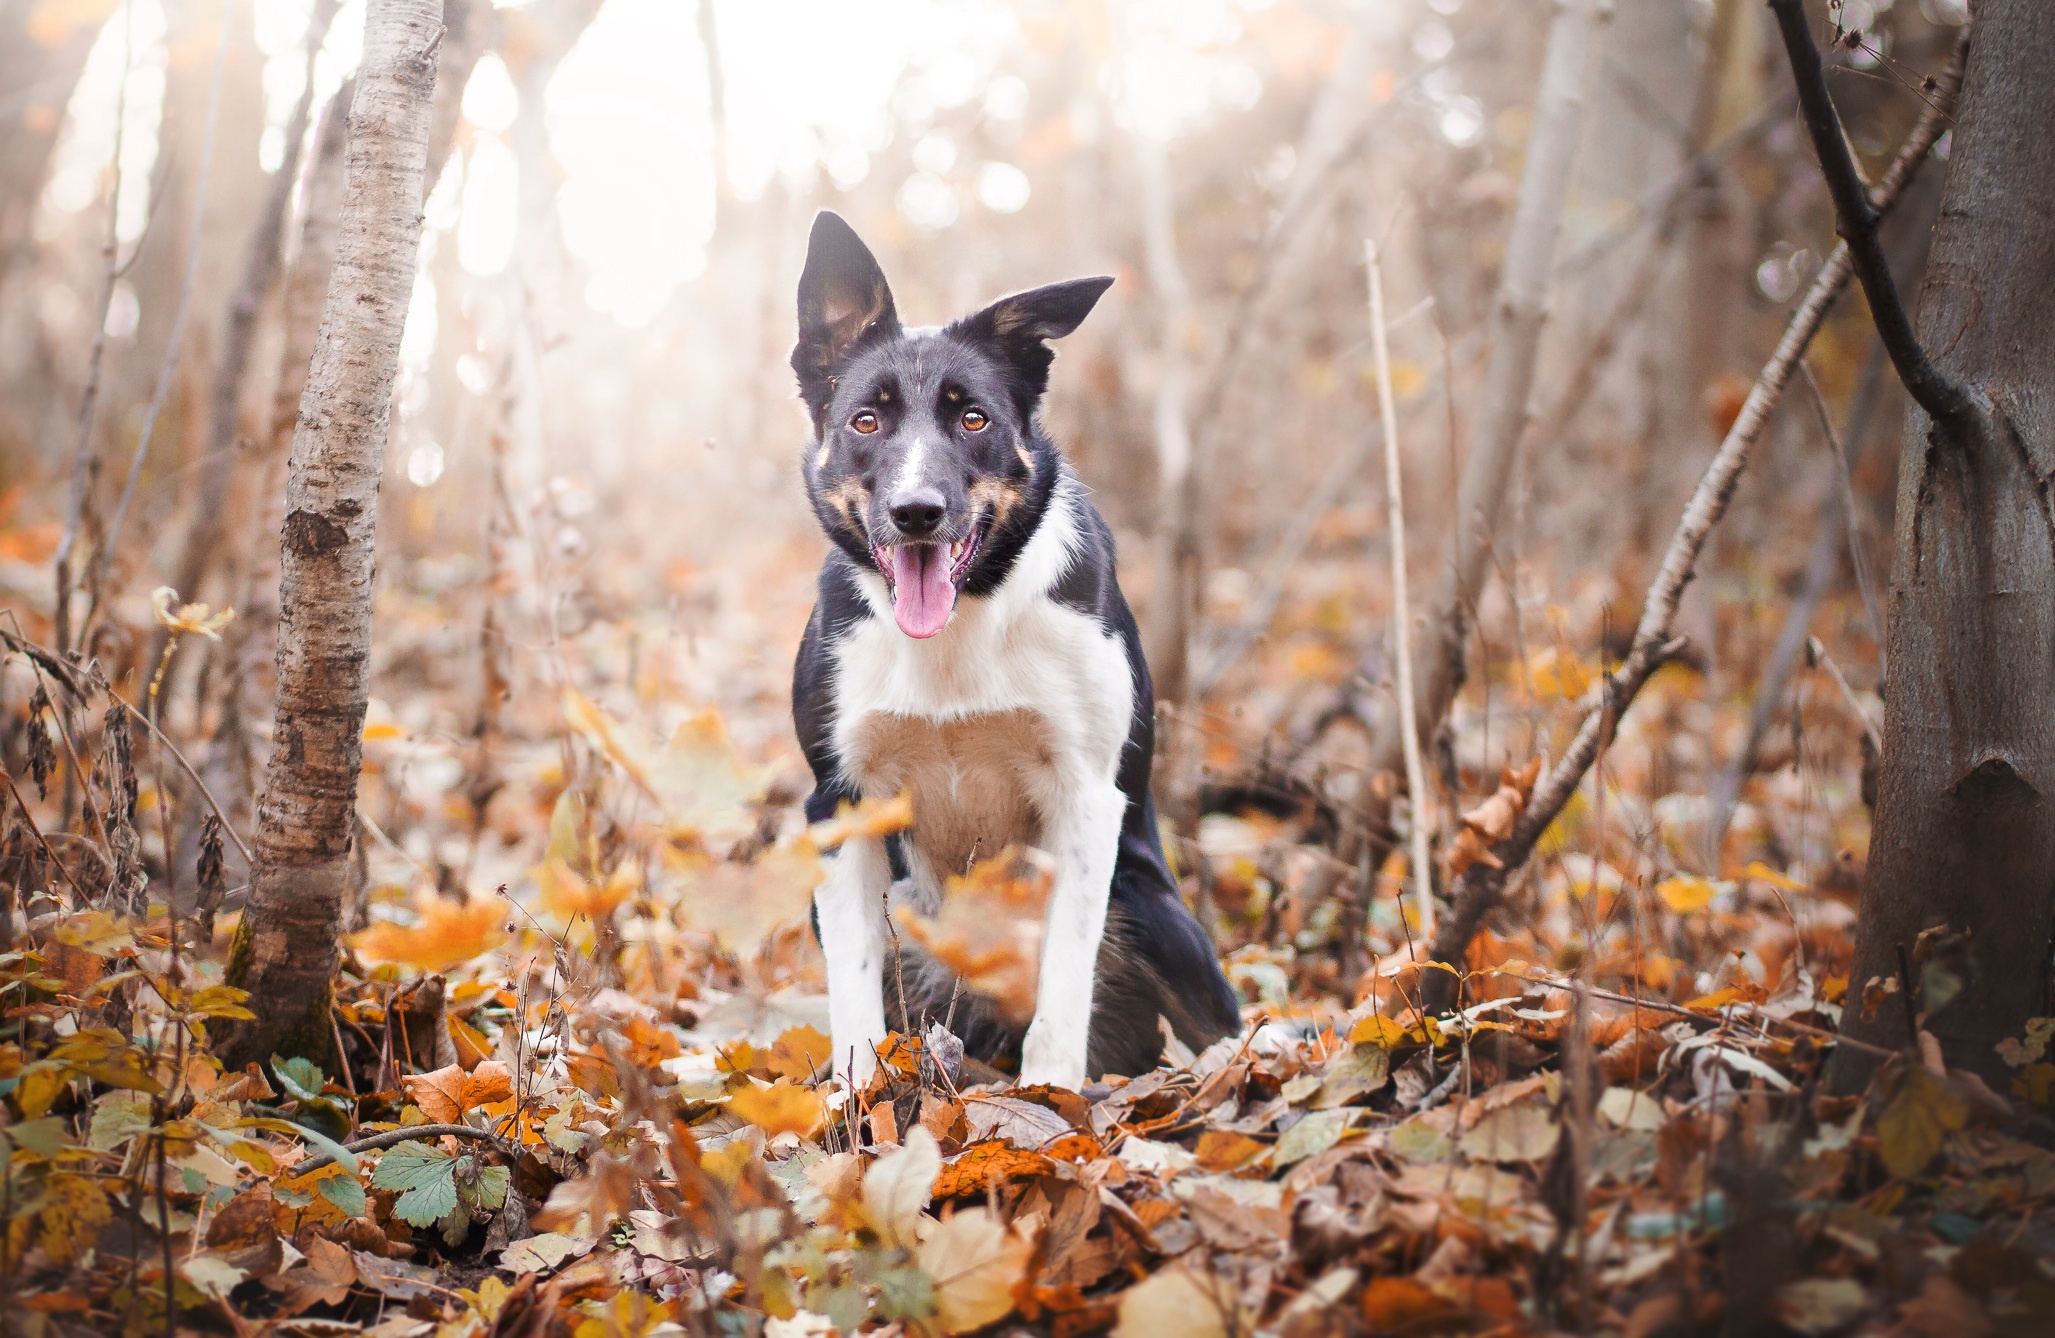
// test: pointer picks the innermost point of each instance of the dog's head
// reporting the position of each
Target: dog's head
(926, 463)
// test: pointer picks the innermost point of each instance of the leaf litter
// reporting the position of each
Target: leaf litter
(624, 1022)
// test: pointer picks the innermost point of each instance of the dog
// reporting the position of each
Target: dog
(970, 645)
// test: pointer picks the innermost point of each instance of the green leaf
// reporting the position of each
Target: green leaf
(346, 1192)
(410, 1164)
(488, 1190)
(429, 1177)
(300, 1077)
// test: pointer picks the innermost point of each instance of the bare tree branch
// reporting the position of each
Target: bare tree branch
(1948, 403)
(1477, 890)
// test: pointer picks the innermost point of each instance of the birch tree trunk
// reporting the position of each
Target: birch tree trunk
(286, 948)
(1965, 832)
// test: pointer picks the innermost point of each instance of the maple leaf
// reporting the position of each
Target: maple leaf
(783, 1107)
(989, 928)
(447, 1093)
(445, 934)
(867, 817)
(324, 1279)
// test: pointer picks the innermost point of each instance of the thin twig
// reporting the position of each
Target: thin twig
(1856, 214)
(43, 841)
(1401, 613)
(394, 1137)
(1854, 528)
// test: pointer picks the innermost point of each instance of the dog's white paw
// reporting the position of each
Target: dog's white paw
(1048, 1063)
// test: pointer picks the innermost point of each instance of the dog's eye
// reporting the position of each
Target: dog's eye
(865, 422)
(974, 420)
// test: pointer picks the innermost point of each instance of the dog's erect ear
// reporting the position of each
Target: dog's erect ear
(1019, 327)
(843, 300)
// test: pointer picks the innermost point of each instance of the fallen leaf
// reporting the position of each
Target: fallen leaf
(1515, 1133)
(324, 1279)
(784, 1107)
(445, 933)
(1021, 1123)
(895, 1189)
(1686, 893)
(1175, 1302)
(1401, 1305)
(976, 1262)
(1492, 821)
(985, 1164)
(1817, 1306)
(447, 1093)
(542, 1252)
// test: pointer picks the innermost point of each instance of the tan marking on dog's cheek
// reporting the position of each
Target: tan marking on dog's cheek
(969, 778)
(1027, 461)
(820, 459)
(1001, 496)
(849, 498)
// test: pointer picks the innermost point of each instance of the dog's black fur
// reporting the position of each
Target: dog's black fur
(994, 487)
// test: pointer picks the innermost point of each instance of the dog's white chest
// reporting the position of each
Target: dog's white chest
(996, 725)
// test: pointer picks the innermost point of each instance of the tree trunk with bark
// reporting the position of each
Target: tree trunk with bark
(286, 949)
(1965, 824)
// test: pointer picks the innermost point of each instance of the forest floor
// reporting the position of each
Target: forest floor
(587, 956)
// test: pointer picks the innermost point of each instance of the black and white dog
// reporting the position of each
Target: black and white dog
(970, 645)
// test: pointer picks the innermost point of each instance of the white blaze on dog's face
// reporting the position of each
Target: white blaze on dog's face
(924, 466)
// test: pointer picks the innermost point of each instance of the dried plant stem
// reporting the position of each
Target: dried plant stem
(174, 343)
(1401, 612)
(83, 461)
(1477, 891)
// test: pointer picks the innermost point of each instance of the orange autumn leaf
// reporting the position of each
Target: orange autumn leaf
(986, 1164)
(784, 1107)
(1220, 1150)
(989, 928)
(869, 817)
(800, 1054)
(569, 896)
(447, 1093)
(445, 933)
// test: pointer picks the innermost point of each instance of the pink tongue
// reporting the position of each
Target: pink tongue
(924, 592)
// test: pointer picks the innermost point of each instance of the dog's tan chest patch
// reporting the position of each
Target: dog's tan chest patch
(970, 778)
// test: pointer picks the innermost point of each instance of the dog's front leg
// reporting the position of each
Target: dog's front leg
(1084, 839)
(850, 906)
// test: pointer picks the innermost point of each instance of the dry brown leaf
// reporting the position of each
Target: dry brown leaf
(1492, 821)
(1021, 1123)
(977, 1263)
(324, 1279)
(447, 1093)
(1175, 1302)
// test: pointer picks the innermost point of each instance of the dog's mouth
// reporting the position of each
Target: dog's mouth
(923, 579)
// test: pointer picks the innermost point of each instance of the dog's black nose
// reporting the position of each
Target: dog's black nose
(918, 513)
